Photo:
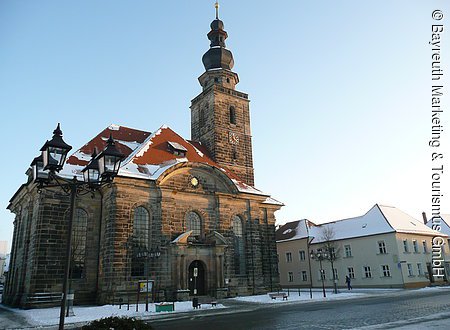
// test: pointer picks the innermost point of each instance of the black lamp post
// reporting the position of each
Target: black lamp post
(148, 256)
(320, 255)
(101, 170)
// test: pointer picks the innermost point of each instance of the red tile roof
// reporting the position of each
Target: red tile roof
(127, 139)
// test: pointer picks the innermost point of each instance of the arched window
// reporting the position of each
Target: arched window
(194, 223)
(238, 244)
(79, 232)
(140, 240)
(232, 115)
(201, 115)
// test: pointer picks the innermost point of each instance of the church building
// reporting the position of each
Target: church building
(182, 214)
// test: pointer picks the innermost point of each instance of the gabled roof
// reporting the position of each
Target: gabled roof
(380, 219)
(127, 139)
(444, 223)
(148, 155)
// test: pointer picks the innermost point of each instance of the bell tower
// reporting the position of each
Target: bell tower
(220, 115)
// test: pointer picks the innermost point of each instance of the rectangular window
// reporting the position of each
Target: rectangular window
(332, 252)
(382, 247)
(290, 277)
(288, 257)
(322, 274)
(410, 269)
(348, 251)
(335, 271)
(304, 276)
(386, 271)
(405, 246)
(367, 272)
(425, 246)
(415, 246)
(351, 272)
(419, 269)
(302, 255)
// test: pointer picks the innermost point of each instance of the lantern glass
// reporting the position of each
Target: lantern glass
(39, 174)
(54, 157)
(54, 152)
(109, 160)
(91, 175)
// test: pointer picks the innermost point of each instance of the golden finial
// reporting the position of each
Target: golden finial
(216, 5)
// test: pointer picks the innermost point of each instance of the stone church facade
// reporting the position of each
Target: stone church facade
(183, 214)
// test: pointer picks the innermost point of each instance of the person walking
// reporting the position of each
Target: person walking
(348, 281)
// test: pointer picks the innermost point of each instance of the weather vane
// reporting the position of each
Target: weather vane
(216, 5)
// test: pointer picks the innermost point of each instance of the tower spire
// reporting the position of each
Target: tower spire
(217, 57)
(216, 5)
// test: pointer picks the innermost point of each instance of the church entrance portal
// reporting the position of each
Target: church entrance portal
(197, 278)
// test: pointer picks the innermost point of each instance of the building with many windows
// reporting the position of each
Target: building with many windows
(182, 213)
(383, 248)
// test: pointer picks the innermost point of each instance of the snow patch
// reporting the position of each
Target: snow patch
(114, 127)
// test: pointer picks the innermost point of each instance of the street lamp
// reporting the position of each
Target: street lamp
(320, 255)
(45, 169)
(148, 256)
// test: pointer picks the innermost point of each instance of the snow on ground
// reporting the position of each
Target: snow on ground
(50, 316)
(304, 296)
(330, 295)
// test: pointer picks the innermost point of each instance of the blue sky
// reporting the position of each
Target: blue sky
(340, 90)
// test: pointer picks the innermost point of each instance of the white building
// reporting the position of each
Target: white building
(3, 248)
(383, 248)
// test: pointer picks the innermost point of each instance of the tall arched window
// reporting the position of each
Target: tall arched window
(238, 243)
(232, 115)
(194, 223)
(140, 240)
(79, 232)
(201, 116)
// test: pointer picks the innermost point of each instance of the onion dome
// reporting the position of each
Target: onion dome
(217, 57)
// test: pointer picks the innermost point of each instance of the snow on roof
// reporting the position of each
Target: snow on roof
(148, 156)
(273, 201)
(379, 219)
(127, 139)
(444, 223)
(177, 146)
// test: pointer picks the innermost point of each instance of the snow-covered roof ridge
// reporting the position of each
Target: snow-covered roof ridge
(143, 147)
(404, 223)
(380, 219)
(148, 156)
(444, 224)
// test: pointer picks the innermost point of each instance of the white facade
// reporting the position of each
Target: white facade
(383, 248)
(3, 248)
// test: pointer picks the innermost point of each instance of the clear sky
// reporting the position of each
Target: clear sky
(340, 90)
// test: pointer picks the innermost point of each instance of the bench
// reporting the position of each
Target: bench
(165, 307)
(274, 296)
(213, 303)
